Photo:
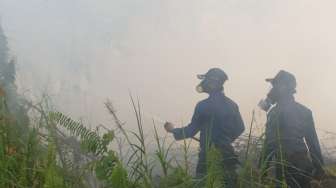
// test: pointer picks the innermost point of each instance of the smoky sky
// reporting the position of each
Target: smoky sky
(83, 51)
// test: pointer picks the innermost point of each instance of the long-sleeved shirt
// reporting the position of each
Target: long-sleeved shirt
(218, 120)
(290, 127)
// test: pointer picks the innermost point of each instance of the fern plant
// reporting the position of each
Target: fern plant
(91, 140)
(107, 166)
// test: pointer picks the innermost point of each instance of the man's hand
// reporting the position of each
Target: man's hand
(169, 127)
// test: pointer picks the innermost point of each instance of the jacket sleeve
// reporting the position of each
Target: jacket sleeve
(313, 142)
(193, 128)
(239, 124)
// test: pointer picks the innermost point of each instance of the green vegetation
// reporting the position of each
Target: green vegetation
(58, 151)
(43, 148)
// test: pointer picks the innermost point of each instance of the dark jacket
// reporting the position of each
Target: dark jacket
(218, 120)
(289, 126)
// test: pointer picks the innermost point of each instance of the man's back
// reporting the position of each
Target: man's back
(221, 120)
(218, 120)
(289, 123)
(290, 134)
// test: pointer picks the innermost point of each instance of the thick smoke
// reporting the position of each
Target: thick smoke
(83, 52)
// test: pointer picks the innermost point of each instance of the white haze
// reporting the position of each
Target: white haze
(84, 51)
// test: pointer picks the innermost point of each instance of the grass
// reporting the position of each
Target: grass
(58, 151)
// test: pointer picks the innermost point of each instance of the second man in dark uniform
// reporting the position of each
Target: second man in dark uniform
(219, 122)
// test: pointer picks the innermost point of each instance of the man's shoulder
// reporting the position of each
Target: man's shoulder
(203, 104)
(296, 110)
(302, 108)
(231, 102)
(290, 110)
(225, 101)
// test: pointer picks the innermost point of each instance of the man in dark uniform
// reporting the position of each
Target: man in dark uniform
(219, 122)
(291, 139)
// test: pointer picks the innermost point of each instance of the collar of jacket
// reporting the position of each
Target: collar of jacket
(215, 94)
(286, 100)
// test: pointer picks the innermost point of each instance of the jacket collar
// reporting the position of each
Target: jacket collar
(286, 100)
(216, 94)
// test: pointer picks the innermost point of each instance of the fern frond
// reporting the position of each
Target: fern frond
(91, 140)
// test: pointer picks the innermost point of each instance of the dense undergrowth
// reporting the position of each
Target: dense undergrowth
(43, 148)
(56, 151)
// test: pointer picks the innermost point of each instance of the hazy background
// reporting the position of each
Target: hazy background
(85, 51)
